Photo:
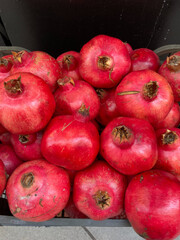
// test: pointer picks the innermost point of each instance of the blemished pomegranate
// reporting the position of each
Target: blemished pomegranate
(104, 61)
(9, 158)
(70, 143)
(3, 178)
(69, 64)
(172, 119)
(152, 203)
(37, 191)
(5, 138)
(144, 58)
(26, 103)
(38, 63)
(144, 94)
(129, 145)
(170, 69)
(99, 191)
(27, 147)
(168, 140)
(5, 67)
(77, 98)
(71, 210)
(108, 109)
(129, 48)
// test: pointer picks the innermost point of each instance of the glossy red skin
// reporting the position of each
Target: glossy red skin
(135, 105)
(31, 110)
(73, 70)
(152, 203)
(173, 77)
(5, 68)
(69, 143)
(2, 129)
(108, 109)
(129, 48)
(172, 119)
(144, 58)
(40, 64)
(9, 158)
(99, 177)
(168, 154)
(3, 178)
(28, 151)
(130, 158)
(69, 99)
(71, 210)
(103, 45)
(5, 138)
(45, 198)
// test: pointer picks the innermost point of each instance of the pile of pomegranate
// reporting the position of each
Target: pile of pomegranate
(92, 134)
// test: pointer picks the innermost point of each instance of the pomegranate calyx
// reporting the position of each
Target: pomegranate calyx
(150, 90)
(13, 86)
(128, 93)
(3, 62)
(83, 110)
(18, 55)
(27, 180)
(100, 92)
(65, 80)
(102, 199)
(169, 137)
(24, 139)
(122, 133)
(105, 63)
(69, 62)
(173, 63)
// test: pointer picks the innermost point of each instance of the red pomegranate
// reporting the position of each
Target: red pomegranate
(26, 103)
(129, 48)
(2, 177)
(99, 191)
(37, 191)
(5, 67)
(77, 98)
(70, 143)
(170, 69)
(5, 138)
(108, 109)
(9, 158)
(129, 145)
(27, 147)
(172, 119)
(168, 150)
(144, 58)
(104, 61)
(69, 64)
(152, 203)
(38, 63)
(144, 94)
(71, 210)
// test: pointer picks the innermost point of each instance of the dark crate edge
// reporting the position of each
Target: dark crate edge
(57, 222)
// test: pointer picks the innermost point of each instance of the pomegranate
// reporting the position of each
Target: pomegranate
(168, 150)
(38, 63)
(104, 61)
(99, 191)
(2, 177)
(27, 147)
(70, 143)
(108, 109)
(76, 97)
(172, 119)
(152, 203)
(170, 69)
(144, 94)
(26, 103)
(129, 145)
(144, 58)
(5, 67)
(69, 64)
(37, 191)
(129, 48)
(9, 158)
(71, 210)
(5, 138)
